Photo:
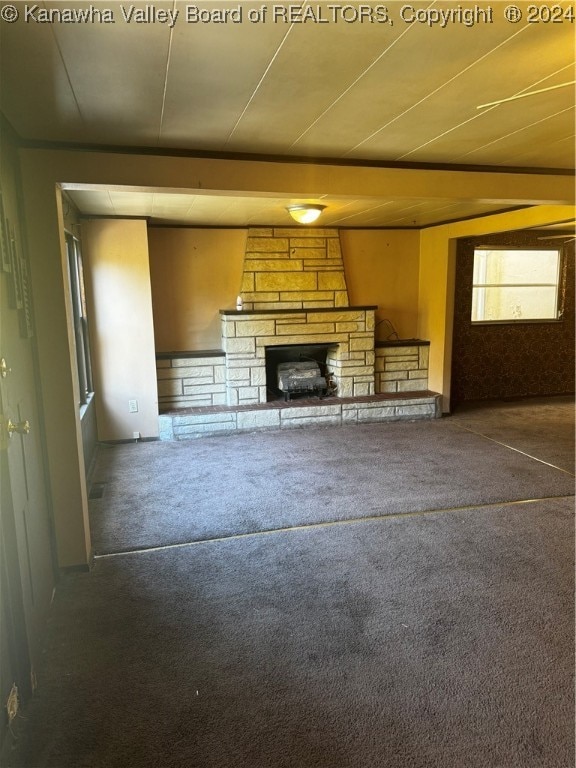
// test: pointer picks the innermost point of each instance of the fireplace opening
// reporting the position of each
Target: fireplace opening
(312, 379)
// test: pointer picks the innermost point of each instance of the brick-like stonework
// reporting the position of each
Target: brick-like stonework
(294, 292)
(204, 422)
(401, 369)
(295, 268)
(191, 381)
(246, 335)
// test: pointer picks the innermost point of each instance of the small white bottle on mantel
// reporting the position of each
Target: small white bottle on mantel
(239, 303)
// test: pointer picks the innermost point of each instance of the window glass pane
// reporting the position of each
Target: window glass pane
(514, 303)
(515, 285)
(516, 266)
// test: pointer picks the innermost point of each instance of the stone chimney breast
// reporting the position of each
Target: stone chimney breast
(293, 268)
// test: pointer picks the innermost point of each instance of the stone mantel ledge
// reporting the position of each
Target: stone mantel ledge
(245, 313)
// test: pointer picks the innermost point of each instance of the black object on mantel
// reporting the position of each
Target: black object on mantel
(294, 311)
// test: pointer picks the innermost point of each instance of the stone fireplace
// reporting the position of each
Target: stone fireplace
(294, 293)
(294, 297)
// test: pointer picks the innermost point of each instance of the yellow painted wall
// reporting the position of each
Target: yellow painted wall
(194, 274)
(437, 279)
(121, 328)
(382, 268)
(44, 170)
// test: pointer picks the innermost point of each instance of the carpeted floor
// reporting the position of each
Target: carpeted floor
(156, 494)
(400, 638)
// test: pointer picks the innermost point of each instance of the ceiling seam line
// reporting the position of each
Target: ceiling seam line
(257, 88)
(476, 116)
(68, 78)
(165, 89)
(357, 80)
(518, 130)
(440, 87)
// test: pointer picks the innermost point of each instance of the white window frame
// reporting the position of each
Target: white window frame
(514, 320)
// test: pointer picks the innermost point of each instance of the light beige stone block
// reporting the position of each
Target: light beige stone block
(364, 343)
(399, 352)
(327, 265)
(201, 372)
(401, 366)
(266, 244)
(307, 296)
(345, 387)
(388, 386)
(188, 384)
(412, 385)
(274, 341)
(311, 411)
(255, 328)
(341, 299)
(333, 249)
(258, 419)
(272, 296)
(341, 315)
(258, 375)
(276, 265)
(286, 281)
(382, 413)
(331, 281)
(238, 374)
(278, 305)
(419, 374)
(307, 253)
(261, 232)
(175, 373)
(361, 389)
(308, 242)
(248, 395)
(309, 328)
(247, 285)
(394, 376)
(243, 345)
(169, 387)
(204, 389)
(423, 355)
(189, 362)
(424, 409)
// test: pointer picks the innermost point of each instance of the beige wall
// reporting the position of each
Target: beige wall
(194, 274)
(121, 327)
(382, 268)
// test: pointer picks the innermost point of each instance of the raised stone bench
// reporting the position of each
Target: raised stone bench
(401, 365)
(201, 422)
(191, 378)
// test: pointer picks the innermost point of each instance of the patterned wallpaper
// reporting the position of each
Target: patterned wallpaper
(506, 361)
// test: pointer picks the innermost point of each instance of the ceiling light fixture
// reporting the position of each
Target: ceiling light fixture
(305, 213)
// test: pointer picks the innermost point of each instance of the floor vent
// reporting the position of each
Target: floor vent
(96, 490)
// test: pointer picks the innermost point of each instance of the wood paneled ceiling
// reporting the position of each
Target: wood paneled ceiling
(331, 87)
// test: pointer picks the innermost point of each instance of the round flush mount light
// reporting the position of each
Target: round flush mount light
(305, 213)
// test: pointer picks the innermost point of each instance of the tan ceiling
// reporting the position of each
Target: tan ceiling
(331, 87)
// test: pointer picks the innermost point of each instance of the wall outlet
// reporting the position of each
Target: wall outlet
(132, 406)
(12, 703)
(136, 435)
